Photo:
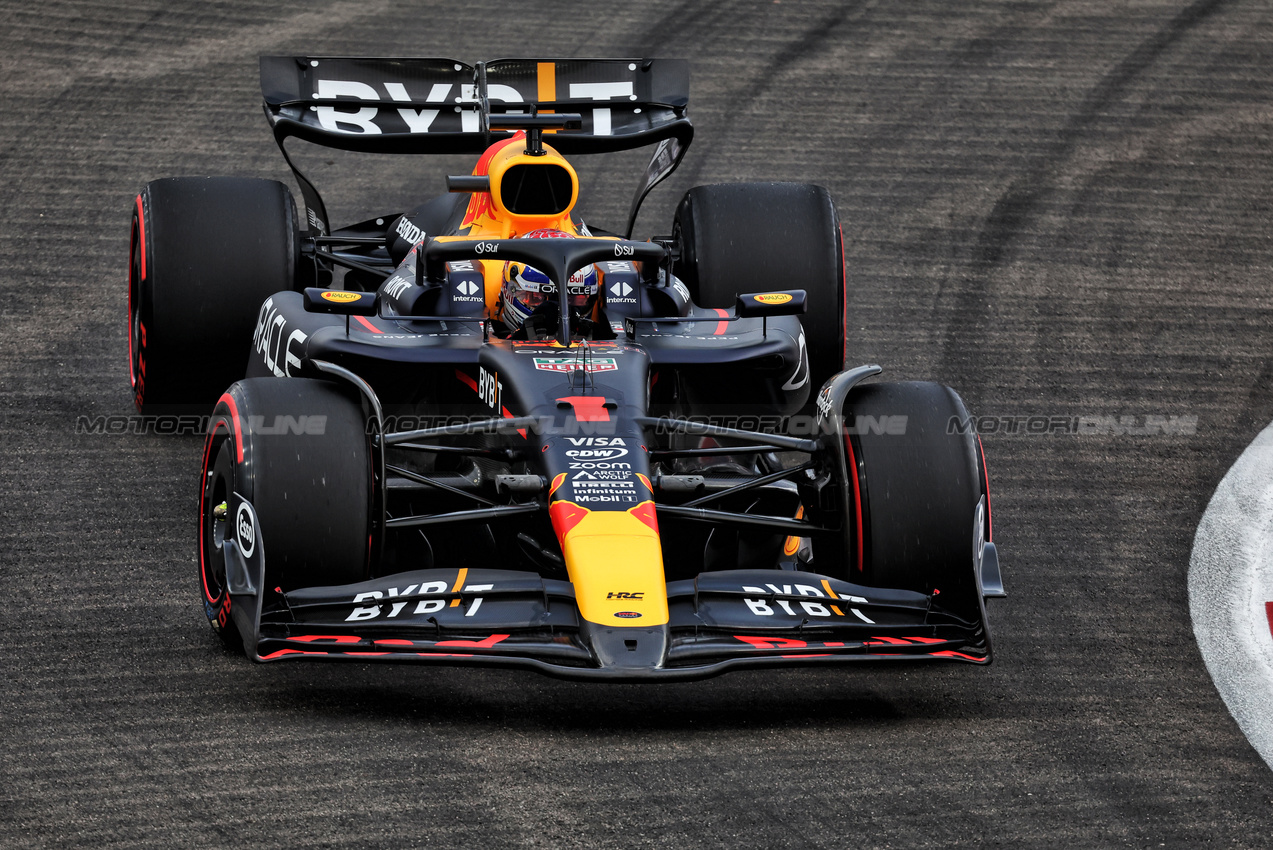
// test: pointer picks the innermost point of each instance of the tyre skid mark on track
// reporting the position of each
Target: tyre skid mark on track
(246, 41)
(1016, 207)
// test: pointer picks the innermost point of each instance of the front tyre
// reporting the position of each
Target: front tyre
(298, 451)
(918, 490)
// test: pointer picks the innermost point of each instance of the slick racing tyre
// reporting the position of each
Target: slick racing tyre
(298, 451)
(205, 252)
(753, 237)
(919, 491)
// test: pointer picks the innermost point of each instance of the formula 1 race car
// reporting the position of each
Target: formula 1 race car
(483, 432)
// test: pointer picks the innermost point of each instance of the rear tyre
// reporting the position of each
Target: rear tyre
(919, 486)
(752, 237)
(205, 252)
(305, 465)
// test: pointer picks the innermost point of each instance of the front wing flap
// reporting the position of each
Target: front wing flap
(427, 614)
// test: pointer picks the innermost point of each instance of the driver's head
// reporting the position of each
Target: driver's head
(526, 288)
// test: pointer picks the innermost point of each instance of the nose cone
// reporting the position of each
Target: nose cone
(615, 563)
(628, 649)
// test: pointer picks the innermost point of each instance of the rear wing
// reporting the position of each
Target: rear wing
(442, 106)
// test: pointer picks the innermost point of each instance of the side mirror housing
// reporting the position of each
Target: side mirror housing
(339, 301)
(785, 302)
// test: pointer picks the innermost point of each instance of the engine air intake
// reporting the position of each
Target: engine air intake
(537, 189)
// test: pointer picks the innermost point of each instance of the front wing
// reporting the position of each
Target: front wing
(718, 621)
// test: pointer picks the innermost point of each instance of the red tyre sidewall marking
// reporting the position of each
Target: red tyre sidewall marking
(141, 231)
(857, 502)
(236, 424)
(235, 427)
(132, 242)
(985, 483)
(135, 358)
(203, 494)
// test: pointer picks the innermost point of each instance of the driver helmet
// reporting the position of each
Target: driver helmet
(526, 288)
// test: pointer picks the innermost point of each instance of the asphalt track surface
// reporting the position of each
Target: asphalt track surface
(1061, 209)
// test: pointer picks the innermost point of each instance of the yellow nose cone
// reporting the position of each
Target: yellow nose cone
(615, 562)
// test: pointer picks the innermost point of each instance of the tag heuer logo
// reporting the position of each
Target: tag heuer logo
(594, 364)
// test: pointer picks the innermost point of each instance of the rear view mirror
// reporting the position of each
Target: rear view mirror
(339, 301)
(787, 302)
